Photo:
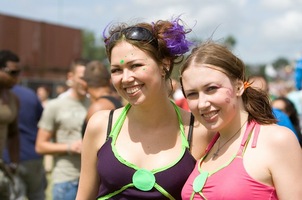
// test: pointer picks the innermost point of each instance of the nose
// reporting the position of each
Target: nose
(127, 76)
(203, 102)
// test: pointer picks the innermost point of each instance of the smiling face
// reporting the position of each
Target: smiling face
(135, 75)
(211, 95)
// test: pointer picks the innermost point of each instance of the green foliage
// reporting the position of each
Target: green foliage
(92, 49)
(280, 63)
(230, 42)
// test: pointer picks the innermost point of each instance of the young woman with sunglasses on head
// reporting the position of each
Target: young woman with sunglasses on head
(250, 157)
(147, 149)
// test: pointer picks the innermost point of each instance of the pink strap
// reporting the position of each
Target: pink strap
(247, 135)
(248, 129)
(256, 134)
(211, 144)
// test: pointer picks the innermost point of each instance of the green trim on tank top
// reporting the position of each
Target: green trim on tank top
(118, 125)
(138, 180)
(200, 180)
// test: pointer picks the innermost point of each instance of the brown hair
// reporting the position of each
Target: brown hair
(160, 30)
(96, 74)
(77, 62)
(256, 102)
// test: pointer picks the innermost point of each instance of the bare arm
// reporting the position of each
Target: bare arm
(44, 145)
(94, 138)
(286, 165)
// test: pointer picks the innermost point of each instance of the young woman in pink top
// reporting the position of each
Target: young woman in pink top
(250, 157)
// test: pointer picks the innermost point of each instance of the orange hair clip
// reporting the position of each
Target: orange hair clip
(246, 84)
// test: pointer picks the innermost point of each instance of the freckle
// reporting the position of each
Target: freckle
(227, 100)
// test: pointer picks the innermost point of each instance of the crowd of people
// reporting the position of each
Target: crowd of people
(134, 132)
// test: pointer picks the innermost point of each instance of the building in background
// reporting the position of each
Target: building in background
(45, 50)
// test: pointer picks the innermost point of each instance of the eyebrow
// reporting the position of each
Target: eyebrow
(127, 63)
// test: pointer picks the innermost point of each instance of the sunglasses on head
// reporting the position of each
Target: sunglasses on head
(12, 72)
(133, 33)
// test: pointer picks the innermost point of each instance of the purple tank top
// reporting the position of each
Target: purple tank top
(117, 178)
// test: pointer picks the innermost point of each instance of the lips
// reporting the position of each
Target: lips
(132, 90)
(209, 115)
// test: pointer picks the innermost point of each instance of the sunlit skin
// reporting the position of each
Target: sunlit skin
(212, 98)
(131, 78)
(78, 85)
(206, 87)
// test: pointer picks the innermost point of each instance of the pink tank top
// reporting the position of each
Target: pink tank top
(231, 181)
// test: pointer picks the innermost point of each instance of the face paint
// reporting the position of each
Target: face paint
(122, 62)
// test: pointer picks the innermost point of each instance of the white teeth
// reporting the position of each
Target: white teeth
(132, 89)
(211, 114)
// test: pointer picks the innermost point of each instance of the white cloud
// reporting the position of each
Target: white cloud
(280, 5)
(287, 27)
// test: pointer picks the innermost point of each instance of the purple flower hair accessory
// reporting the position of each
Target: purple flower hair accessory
(176, 40)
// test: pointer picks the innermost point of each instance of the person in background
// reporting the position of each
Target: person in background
(31, 166)
(288, 107)
(178, 96)
(249, 153)
(9, 132)
(43, 94)
(97, 79)
(60, 89)
(60, 134)
(260, 83)
(146, 149)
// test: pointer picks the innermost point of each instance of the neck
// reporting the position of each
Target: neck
(152, 115)
(233, 126)
(76, 96)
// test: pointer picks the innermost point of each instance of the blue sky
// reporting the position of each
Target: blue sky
(264, 29)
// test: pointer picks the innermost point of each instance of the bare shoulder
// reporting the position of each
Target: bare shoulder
(275, 136)
(276, 143)
(200, 135)
(96, 130)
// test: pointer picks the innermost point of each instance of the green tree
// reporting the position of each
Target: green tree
(230, 42)
(92, 49)
(280, 63)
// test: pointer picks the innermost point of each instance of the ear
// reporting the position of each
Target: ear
(166, 65)
(69, 81)
(239, 87)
